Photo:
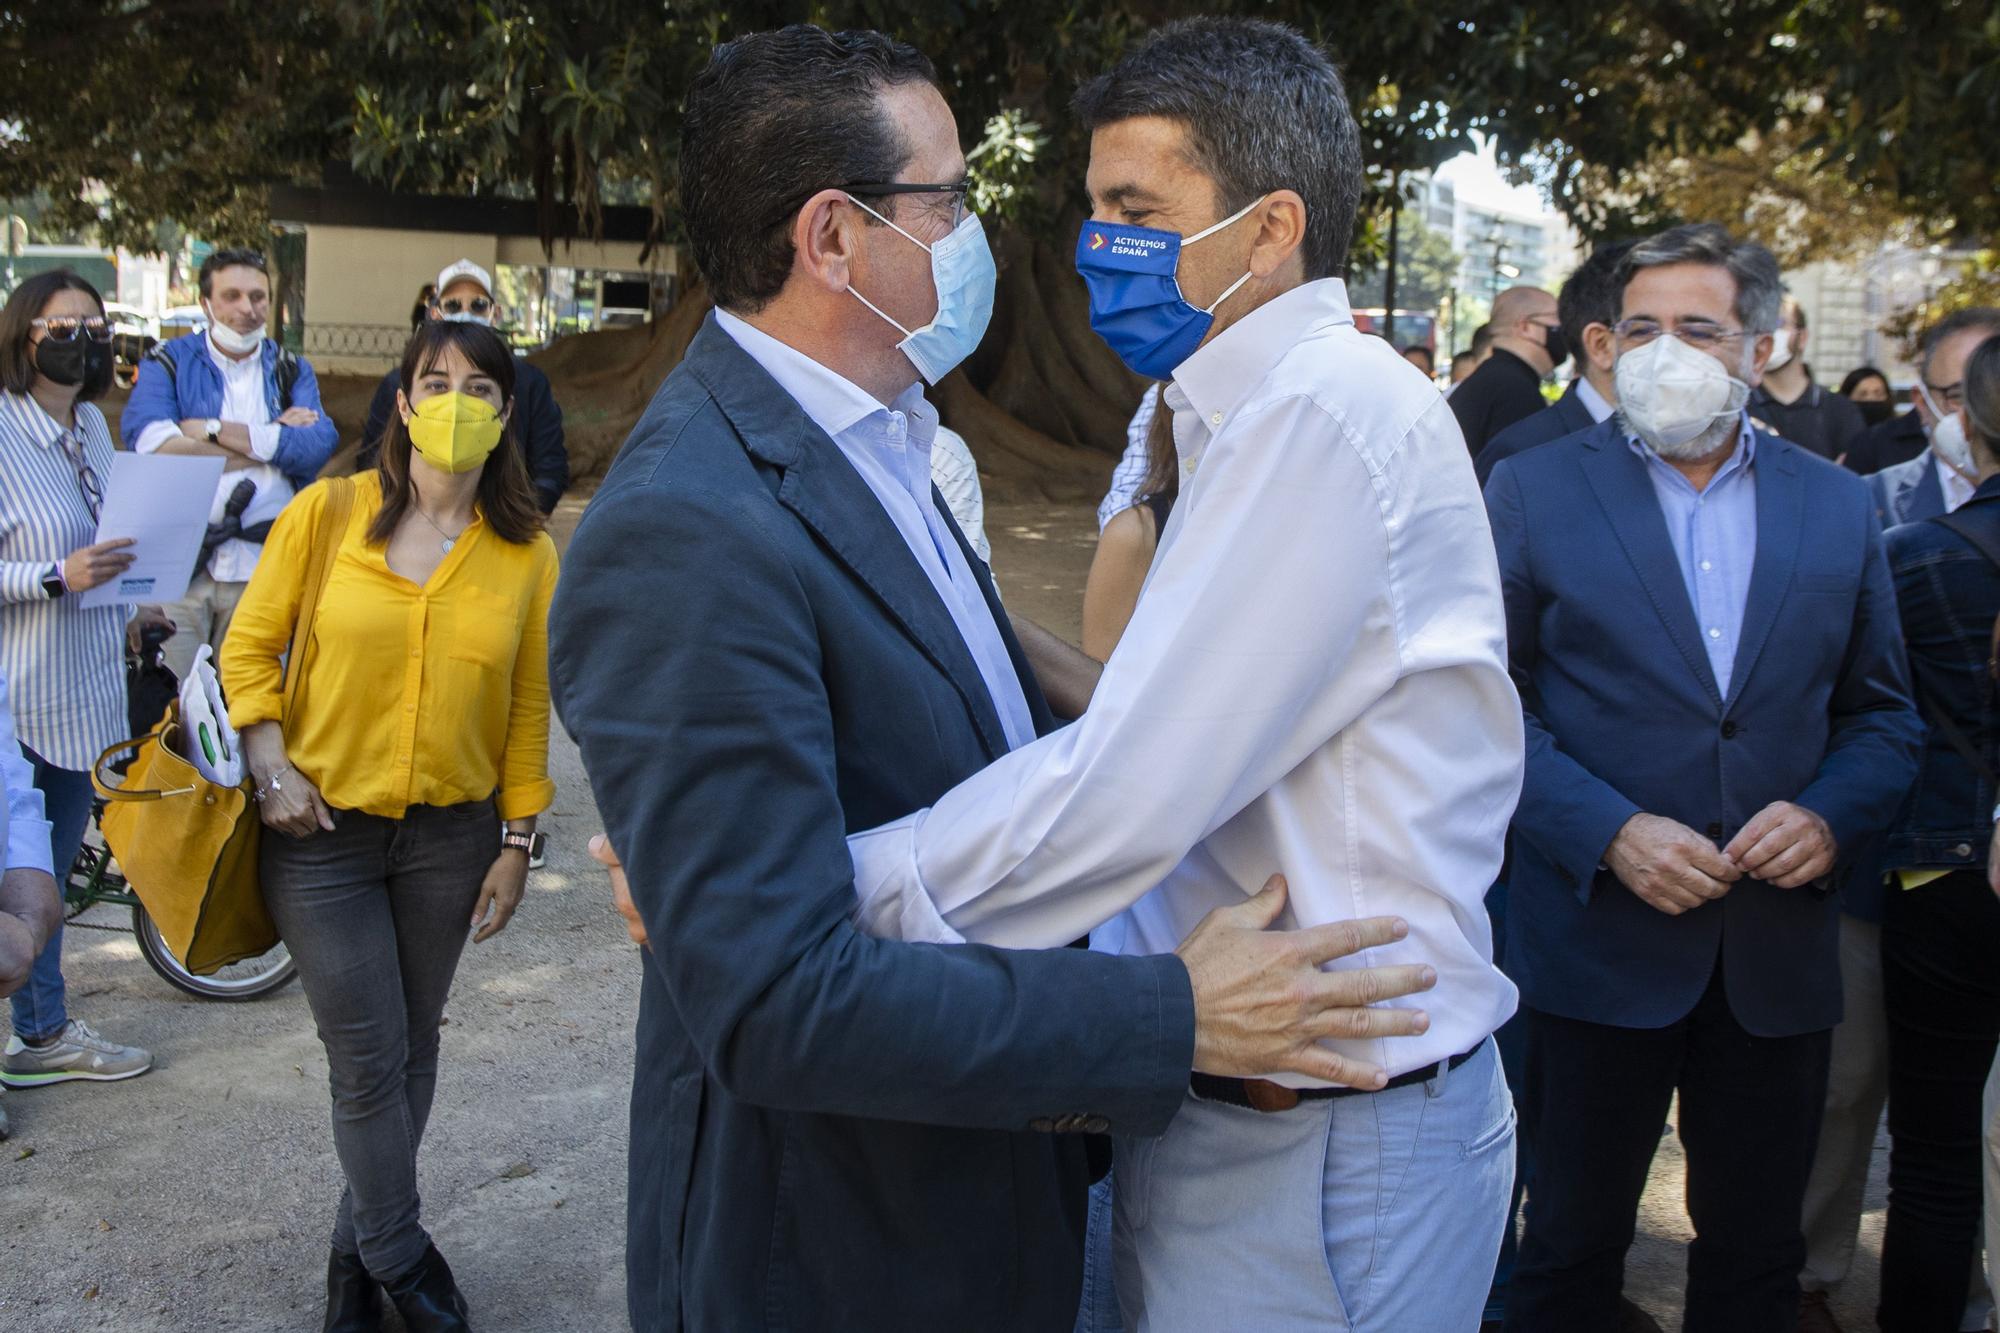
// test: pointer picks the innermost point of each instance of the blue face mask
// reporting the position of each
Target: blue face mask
(1135, 298)
(962, 270)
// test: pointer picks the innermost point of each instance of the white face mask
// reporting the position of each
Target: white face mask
(1781, 350)
(1670, 394)
(229, 340)
(1949, 443)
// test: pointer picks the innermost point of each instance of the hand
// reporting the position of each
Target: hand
(298, 416)
(88, 566)
(1785, 845)
(292, 804)
(500, 893)
(30, 911)
(1669, 865)
(1262, 1005)
(621, 892)
(149, 617)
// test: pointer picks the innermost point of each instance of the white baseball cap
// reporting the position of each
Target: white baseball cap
(464, 268)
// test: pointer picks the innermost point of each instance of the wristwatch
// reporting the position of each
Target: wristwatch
(211, 430)
(531, 843)
(53, 584)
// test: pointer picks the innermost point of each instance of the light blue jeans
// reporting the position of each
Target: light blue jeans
(40, 1011)
(1378, 1213)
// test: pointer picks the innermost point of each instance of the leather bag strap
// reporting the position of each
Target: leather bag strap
(326, 545)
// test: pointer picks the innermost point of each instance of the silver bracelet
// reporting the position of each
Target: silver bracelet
(259, 793)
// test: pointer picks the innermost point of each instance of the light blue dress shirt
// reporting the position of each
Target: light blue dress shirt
(891, 448)
(1714, 532)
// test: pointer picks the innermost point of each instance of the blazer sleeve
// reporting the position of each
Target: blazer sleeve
(1568, 813)
(1871, 753)
(303, 450)
(687, 664)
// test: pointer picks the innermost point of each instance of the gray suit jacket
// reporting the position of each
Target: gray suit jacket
(1906, 492)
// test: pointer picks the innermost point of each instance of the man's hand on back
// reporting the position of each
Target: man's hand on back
(621, 891)
(1262, 1004)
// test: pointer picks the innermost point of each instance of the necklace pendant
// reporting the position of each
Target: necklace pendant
(447, 544)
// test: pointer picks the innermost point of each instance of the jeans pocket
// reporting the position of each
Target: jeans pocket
(1499, 1133)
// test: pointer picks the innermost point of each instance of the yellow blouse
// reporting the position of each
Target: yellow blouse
(413, 695)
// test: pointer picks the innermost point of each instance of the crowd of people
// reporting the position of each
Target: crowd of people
(1454, 789)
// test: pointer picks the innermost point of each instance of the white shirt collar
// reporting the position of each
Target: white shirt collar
(835, 403)
(1220, 373)
(229, 365)
(1595, 403)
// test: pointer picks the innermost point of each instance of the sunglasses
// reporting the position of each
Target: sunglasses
(86, 476)
(478, 305)
(67, 328)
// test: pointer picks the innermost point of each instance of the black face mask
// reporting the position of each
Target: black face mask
(1555, 344)
(81, 360)
(1876, 413)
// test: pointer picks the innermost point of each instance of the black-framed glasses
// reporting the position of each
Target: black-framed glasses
(1946, 396)
(68, 328)
(478, 305)
(957, 189)
(1695, 333)
(86, 475)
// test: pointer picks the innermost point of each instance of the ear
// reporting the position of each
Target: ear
(1760, 355)
(1600, 346)
(825, 237)
(1281, 230)
(403, 407)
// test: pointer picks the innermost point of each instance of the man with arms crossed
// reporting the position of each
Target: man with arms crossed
(1314, 679)
(770, 634)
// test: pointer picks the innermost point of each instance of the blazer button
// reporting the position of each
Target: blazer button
(1963, 851)
(1729, 731)
(1714, 831)
(1096, 1124)
(1041, 1124)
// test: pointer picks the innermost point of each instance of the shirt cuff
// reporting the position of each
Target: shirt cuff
(891, 902)
(264, 441)
(154, 435)
(28, 846)
(521, 802)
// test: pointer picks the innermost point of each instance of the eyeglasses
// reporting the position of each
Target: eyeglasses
(66, 328)
(956, 190)
(86, 475)
(478, 305)
(1695, 333)
(1947, 397)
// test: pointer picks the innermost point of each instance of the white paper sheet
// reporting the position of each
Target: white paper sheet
(161, 501)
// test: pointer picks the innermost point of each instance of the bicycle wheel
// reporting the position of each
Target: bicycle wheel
(251, 979)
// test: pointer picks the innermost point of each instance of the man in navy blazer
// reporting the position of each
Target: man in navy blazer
(1704, 634)
(1587, 307)
(769, 634)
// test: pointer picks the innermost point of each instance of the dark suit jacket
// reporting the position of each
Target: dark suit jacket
(537, 422)
(1897, 440)
(1623, 716)
(828, 1131)
(1504, 390)
(1566, 416)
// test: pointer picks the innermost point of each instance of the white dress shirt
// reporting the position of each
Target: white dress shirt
(243, 400)
(1314, 682)
(957, 478)
(891, 448)
(28, 830)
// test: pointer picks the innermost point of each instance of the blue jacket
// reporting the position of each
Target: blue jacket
(1623, 716)
(828, 1131)
(1565, 416)
(195, 390)
(1949, 595)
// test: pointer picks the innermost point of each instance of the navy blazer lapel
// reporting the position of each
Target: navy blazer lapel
(1781, 499)
(829, 496)
(1618, 476)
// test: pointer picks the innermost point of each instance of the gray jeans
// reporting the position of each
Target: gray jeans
(375, 914)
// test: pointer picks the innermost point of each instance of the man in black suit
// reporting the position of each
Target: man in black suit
(769, 634)
(1587, 308)
(1528, 345)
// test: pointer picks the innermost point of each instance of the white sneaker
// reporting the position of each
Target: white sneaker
(78, 1053)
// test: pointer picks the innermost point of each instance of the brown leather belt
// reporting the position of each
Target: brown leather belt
(1257, 1094)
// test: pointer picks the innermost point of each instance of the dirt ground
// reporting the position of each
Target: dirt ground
(199, 1196)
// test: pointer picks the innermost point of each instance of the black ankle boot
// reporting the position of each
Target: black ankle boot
(428, 1299)
(353, 1301)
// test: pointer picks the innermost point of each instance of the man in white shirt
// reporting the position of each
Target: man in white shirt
(1314, 681)
(227, 392)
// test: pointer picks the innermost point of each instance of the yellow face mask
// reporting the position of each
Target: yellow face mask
(454, 432)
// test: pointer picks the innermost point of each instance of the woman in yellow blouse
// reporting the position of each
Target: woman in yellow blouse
(421, 723)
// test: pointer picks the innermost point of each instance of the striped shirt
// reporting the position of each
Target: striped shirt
(957, 478)
(1130, 474)
(65, 665)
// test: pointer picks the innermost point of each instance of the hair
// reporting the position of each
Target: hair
(1430, 357)
(506, 496)
(1860, 373)
(1789, 305)
(221, 259)
(1482, 338)
(1163, 464)
(774, 118)
(1982, 392)
(1264, 110)
(1754, 269)
(1458, 357)
(17, 318)
(1590, 294)
(1958, 321)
